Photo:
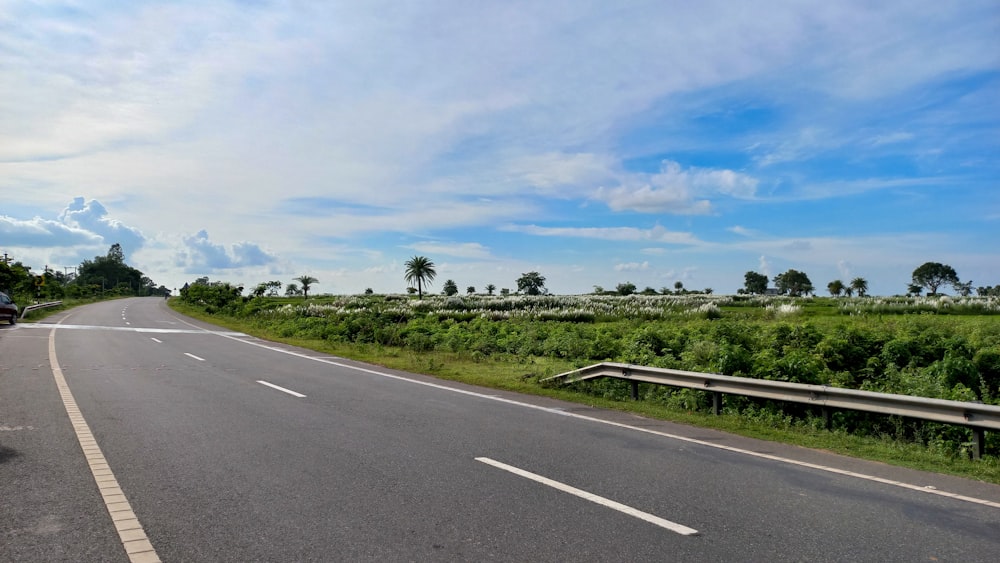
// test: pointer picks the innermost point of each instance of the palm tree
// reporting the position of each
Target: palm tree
(490, 288)
(860, 285)
(420, 269)
(306, 282)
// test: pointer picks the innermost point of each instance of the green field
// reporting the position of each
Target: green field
(934, 347)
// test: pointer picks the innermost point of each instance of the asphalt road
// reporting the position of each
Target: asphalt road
(228, 448)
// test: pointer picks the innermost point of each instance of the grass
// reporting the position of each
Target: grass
(522, 376)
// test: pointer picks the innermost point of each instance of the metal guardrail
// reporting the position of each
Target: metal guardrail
(977, 416)
(25, 310)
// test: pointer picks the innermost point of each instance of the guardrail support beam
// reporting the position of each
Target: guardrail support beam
(635, 390)
(828, 418)
(716, 403)
(978, 443)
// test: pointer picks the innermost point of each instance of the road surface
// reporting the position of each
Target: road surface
(130, 432)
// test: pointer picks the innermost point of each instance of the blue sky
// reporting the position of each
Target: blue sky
(593, 142)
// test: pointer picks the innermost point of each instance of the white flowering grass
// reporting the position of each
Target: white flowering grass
(579, 308)
(593, 308)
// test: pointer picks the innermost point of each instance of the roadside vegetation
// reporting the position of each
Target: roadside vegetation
(939, 346)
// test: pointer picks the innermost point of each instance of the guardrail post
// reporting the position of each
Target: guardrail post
(827, 417)
(978, 442)
(635, 390)
(716, 403)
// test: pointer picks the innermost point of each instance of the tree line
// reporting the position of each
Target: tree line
(930, 276)
(420, 272)
(107, 275)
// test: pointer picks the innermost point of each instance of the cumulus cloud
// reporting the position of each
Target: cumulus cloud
(40, 232)
(93, 217)
(82, 227)
(676, 190)
(202, 255)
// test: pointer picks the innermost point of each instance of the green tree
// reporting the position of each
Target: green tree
(111, 273)
(755, 284)
(307, 281)
(419, 269)
(16, 279)
(679, 286)
(836, 287)
(933, 275)
(292, 290)
(627, 288)
(470, 290)
(273, 287)
(490, 288)
(794, 283)
(531, 283)
(914, 289)
(860, 285)
(963, 288)
(450, 288)
(259, 290)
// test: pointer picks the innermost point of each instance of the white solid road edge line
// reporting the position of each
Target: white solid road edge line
(195, 357)
(625, 509)
(282, 389)
(130, 531)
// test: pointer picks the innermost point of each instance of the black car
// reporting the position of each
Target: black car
(8, 309)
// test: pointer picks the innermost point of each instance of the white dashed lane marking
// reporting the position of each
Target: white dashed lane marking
(625, 509)
(282, 389)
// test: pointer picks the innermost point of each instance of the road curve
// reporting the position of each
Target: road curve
(229, 448)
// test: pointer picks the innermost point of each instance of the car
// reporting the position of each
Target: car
(8, 308)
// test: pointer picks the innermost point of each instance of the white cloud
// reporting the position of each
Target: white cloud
(556, 172)
(676, 190)
(472, 250)
(93, 216)
(743, 231)
(203, 256)
(891, 138)
(632, 267)
(844, 267)
(655, 234)
(764, 266)
(40, 232)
